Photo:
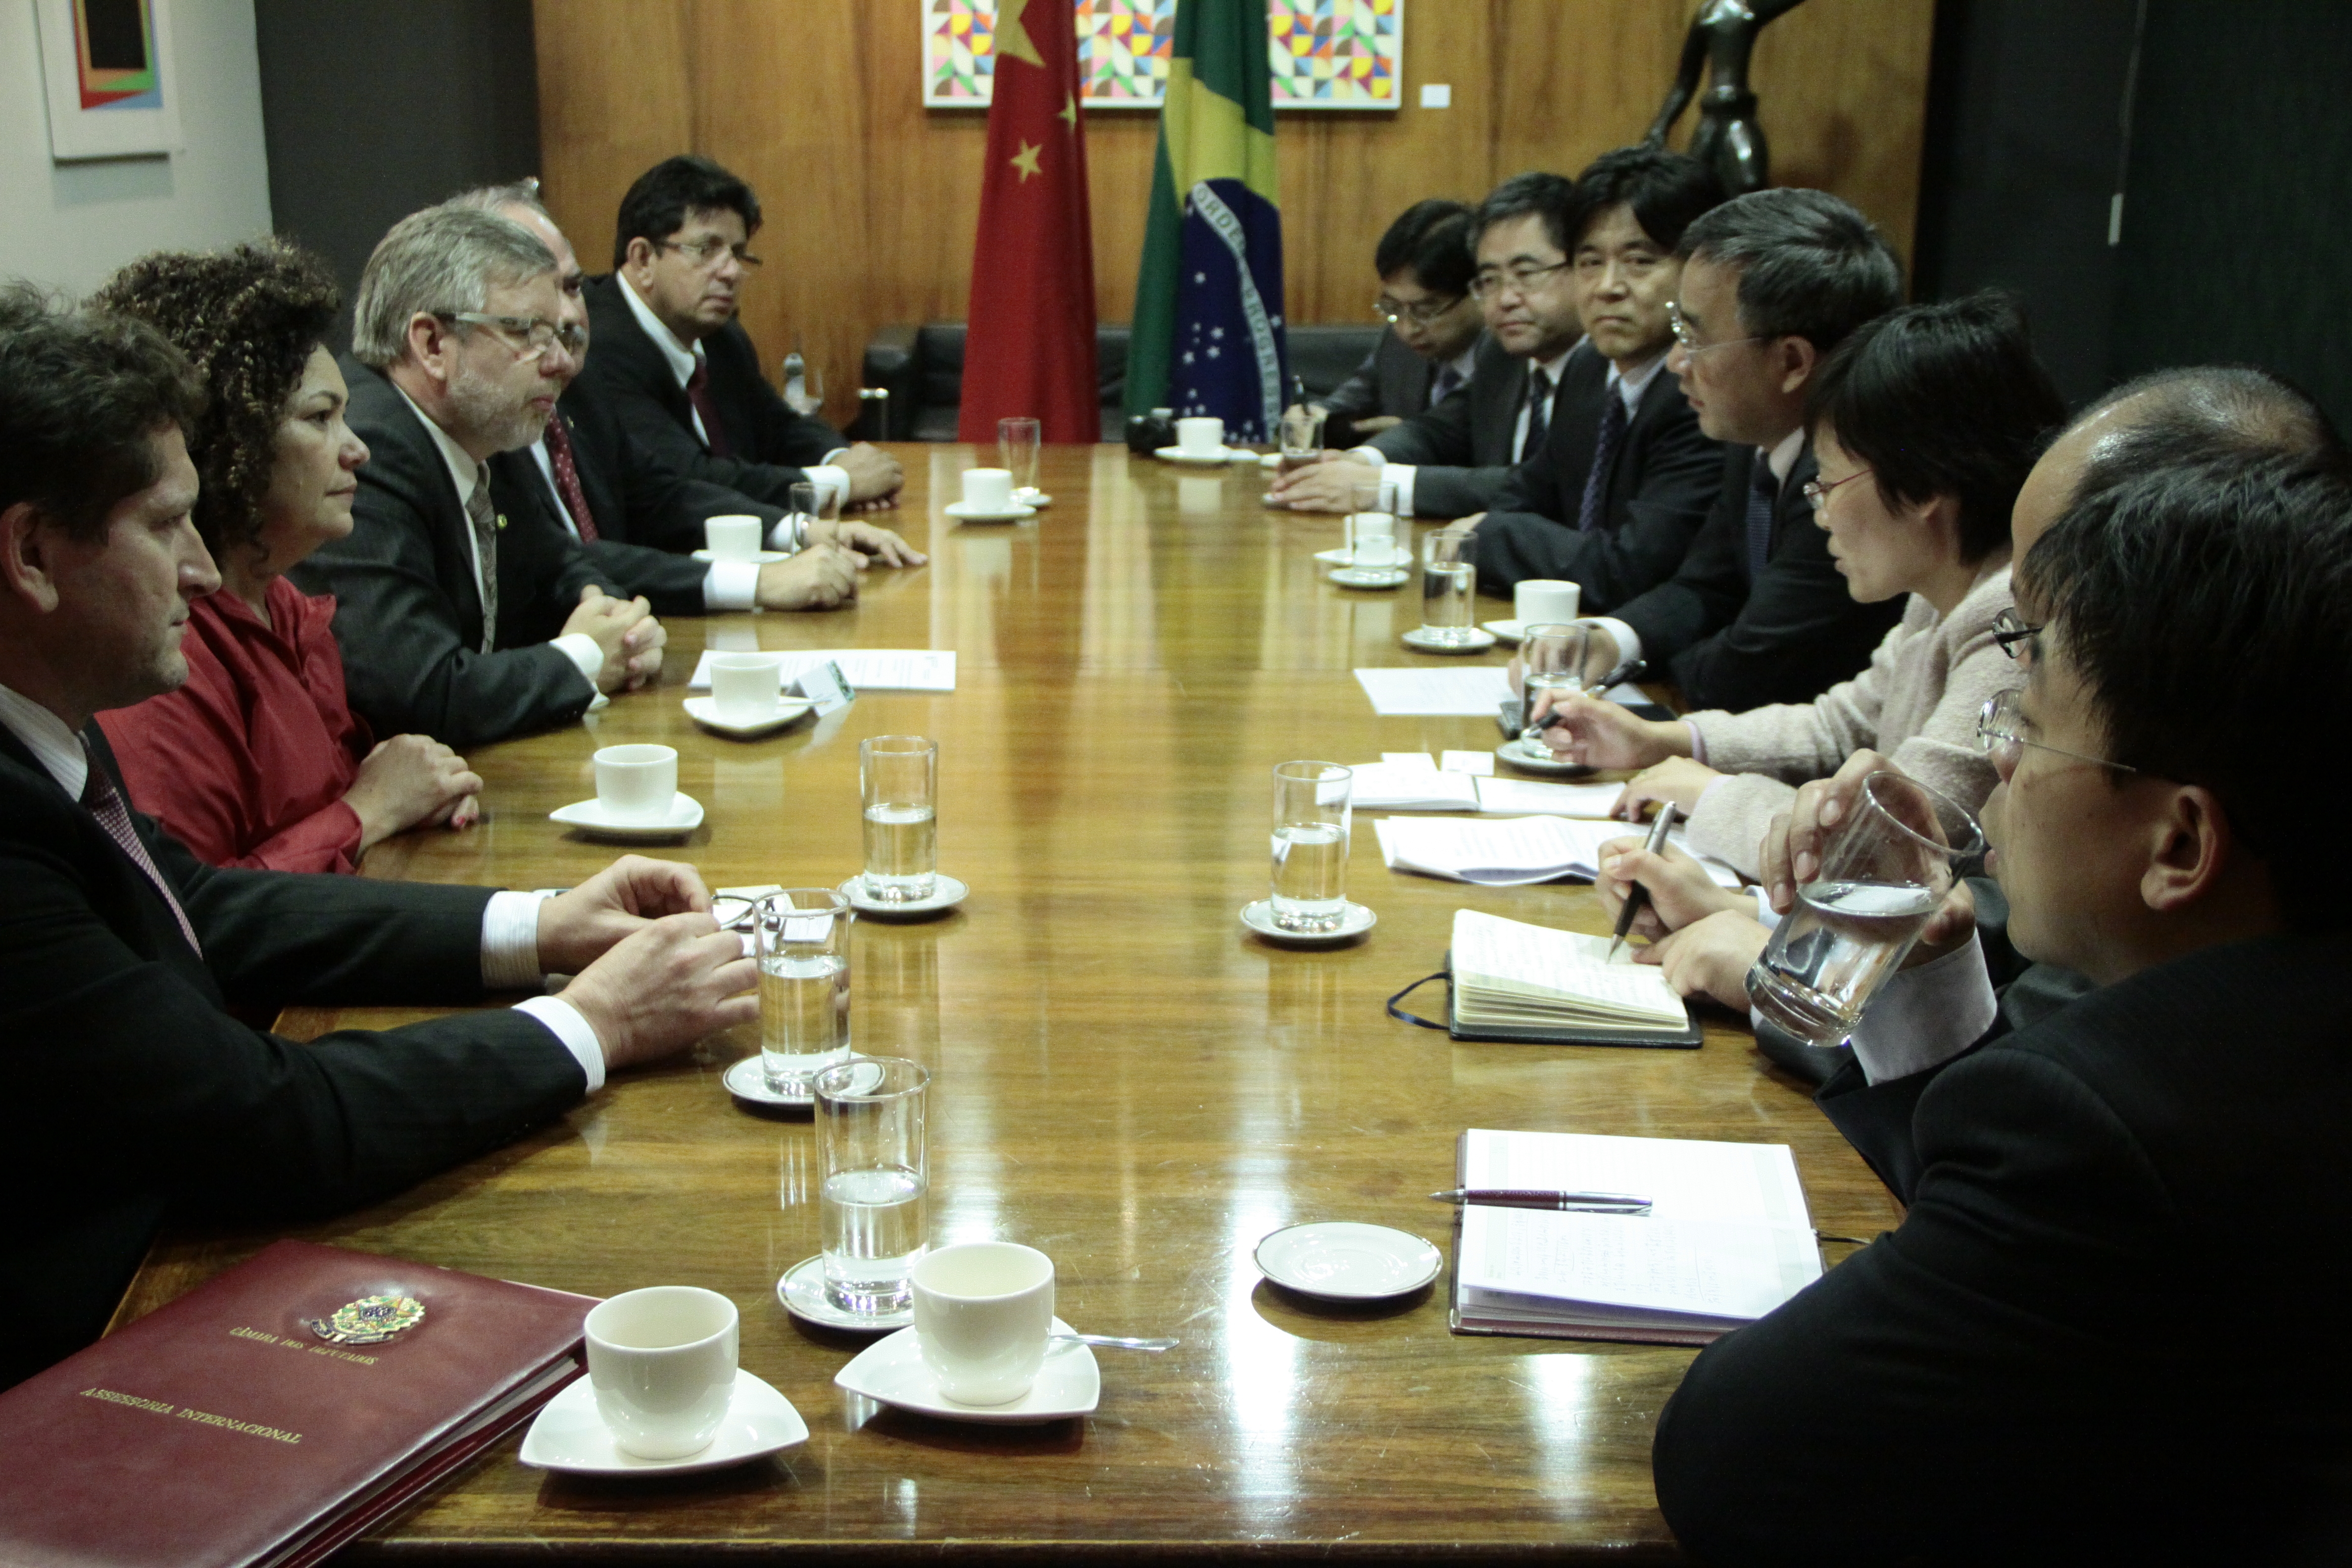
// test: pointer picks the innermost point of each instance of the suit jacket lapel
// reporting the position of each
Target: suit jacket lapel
(1574, 434)
(1793, 509)
(418, 460)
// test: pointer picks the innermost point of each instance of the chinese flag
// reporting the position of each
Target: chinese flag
(1030, 346)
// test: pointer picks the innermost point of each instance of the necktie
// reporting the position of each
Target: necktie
(567, 479)
(1604, 452)
(484, 518)
(1448, 380)
(105, 802)
(1763, 494)
(697, 392)
(1539, 414)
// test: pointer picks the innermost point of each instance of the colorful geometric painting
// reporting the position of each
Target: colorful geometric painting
(114, 54)
(106, 72)
(1325, 54)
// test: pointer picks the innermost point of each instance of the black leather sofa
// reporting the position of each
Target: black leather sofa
(921, 367)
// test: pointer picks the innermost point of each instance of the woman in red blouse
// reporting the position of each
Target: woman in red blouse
(257, 761)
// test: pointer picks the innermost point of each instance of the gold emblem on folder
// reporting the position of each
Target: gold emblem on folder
(370, 1319)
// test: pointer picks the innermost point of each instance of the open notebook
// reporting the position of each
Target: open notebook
(1512, 981)
(1727, 1240)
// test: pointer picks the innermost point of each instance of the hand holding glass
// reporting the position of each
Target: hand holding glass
(1302, 438)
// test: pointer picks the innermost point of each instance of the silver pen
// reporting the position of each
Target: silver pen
(1530, 1198)
(1641, 895)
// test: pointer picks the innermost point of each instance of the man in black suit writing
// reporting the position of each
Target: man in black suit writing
(459, 620)
(1625, 477)
(133, 1094)
(676, 370)
(1770, 283)
(2087, 1340)
(1427, 353)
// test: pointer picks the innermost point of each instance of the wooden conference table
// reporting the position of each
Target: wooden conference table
(1123, 1076)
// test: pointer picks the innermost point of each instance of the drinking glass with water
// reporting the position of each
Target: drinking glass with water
(1302, 437)
(801, 938)
(899, 778)
(1884, 873)
(873, 1207)
(1553, 659)
(1310, 845)
(1449, 586)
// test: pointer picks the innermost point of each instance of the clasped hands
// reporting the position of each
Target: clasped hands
(653, 973)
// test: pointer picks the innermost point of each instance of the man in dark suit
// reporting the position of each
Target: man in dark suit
(679, 373)
(455, 620)
(1625, 475)
(1451, 461)
(1771, 282)
(1424, 266)
(2087, 1340)
(134, 1095)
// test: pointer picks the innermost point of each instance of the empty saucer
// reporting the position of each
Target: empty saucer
(892, 1371)
(1355, 922)
(705, 711)
(684, 815)
(1029, 496)
(569, 1434)
(1471, 641)
(801, 1290)
(1344, 1261)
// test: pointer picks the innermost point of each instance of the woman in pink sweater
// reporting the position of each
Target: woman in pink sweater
(1925, 424)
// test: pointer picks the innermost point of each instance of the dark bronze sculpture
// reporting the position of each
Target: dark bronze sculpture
(1728, 140)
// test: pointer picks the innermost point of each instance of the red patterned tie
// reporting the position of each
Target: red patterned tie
(697, 392)
(105, 802)
(567, 479)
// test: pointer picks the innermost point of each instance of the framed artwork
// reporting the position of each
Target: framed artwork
(106, 66)
(1325, 54)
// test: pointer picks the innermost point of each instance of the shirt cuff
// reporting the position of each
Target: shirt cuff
(510, 942)
(826, 477)
(1698, 743)
(581, 650)
(564, 1022)
(732, 585)
(1924, 1018)
(832, 456)
(1629, 641)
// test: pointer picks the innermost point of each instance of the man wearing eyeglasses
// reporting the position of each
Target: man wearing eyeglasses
(1450, 460)
(456, 619)
(676, 368)
(1427, 353)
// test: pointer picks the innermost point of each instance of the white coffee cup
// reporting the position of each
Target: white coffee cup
(732, 537)
(636, 780)
(982, 1309)
(1201, 437)
(1542, 601)
(988, 489)
(663, 1364)
(745, 686)
(1371, 539)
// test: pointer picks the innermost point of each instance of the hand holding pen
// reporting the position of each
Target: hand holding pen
(1638, 900)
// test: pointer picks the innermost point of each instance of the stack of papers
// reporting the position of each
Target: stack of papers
(1408, 780)
(1512, 853)
(867, 668)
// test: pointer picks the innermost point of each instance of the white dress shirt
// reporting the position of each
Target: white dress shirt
(1401, 475)
(728, 585)
(682, 360)
(509, 945)
(465, 472)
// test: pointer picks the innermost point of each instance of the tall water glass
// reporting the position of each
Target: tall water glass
(1302, 438)
(898, 776)
(1882, 873)
(873, 1205)
(1310, 845)
(1553, 661)
(1016, 446)
(1449, 585)
(801, 937)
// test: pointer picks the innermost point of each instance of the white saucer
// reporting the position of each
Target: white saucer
(1478, 642)
(1546, 764)
(1510, 632)
(589, 817)
(1340, 557)
(892, 1371)
(801, 1290)
(569, 1435)
(705, 712)
(1368, 576)
(1259, 917)
(1344, 1261)
(747, 1080)
(946, 894)
(1033, 498)
(765, 557)
(963, 511)
(1222, 455)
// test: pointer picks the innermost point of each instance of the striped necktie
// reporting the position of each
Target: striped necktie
(1604, 452)
(104, 802)
(484, 518)
(1763, 496)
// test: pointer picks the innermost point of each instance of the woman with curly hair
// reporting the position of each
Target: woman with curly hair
(257, 760)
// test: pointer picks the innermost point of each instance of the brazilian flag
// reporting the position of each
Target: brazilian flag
(1208, 334)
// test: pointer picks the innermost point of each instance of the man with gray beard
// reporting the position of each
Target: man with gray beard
(456, 620)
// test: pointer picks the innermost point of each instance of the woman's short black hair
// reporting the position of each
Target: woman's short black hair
(1432, 237)
(1943, 400)
(673, 191)
(2203, 606)
(248, 319)
(1666, 190)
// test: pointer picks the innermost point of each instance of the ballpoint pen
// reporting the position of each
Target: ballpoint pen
(1607, 683)
(1525, 1198)
(1640, 896)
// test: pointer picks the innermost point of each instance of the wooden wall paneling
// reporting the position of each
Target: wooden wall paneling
(614, 99)
(1575, 77)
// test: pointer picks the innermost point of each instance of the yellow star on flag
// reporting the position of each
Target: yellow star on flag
(1025, 159)
(1013, 40)
(1069, 110)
